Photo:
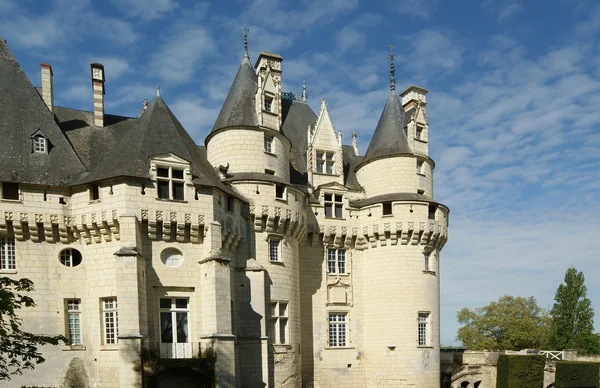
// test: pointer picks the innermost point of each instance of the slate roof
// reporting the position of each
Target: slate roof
(351, 160)
(239, 107)
(393, 197)
(23, 112)
(297, 116)
(389, 137)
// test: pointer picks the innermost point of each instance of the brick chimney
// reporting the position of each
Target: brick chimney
(47, 88)
(98, 87)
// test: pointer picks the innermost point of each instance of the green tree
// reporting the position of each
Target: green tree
(511, 323)
(18, 348)
(573, 316)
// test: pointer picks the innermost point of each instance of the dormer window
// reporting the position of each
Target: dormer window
(170, 183)
(40, 145)
(268, 103)
(325, 162)
(333, 205)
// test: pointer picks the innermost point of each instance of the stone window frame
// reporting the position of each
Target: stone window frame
(424, 329)
(420, 163)
(274, 249)
(333, 204)
(170, 162)
(173, 309)
(323, 164)
(279, 322)
(8, 255)
(4, 188)
(269, 144)
(172, 251)
(110, 320)
(73, 318)
(333, 261)
(334, 335)
(268, 102)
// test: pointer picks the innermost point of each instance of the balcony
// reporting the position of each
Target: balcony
(177, 351)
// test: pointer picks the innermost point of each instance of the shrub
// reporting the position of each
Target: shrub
(520, 371)
(577, 374)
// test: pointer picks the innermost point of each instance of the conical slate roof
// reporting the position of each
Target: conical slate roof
(156, 132)
(23, 113)
(239, 108)
(389, 137)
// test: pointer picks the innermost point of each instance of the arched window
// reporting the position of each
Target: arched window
(40, 144)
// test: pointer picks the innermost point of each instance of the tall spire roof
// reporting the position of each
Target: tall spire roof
(389, 137)
(239, 108)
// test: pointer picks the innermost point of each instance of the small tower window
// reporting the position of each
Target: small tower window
(269, 144)
(170, 183)
(40, 145)
(419, 167)
(70, 257)
(280, 192)
(333, 205)
(387, 208)
(419, 132)
(268, 103)
(94, 192)
(432, 210)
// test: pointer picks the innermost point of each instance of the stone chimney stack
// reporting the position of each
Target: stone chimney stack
(98, 87)
(355, 143)
(47, 87)
(413, 96)
(273, 62)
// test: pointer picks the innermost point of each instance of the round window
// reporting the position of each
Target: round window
(70, 257)
(171, 257)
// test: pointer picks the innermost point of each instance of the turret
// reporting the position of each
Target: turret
(391, 165)
(247, 135)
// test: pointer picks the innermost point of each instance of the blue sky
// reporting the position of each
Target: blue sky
(513, 105)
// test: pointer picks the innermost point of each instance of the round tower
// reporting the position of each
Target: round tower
(251, 152)
(403, 230)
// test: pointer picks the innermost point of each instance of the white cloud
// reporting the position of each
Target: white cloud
(432, 51)
(147, 9)
(418, 9)
(504, 9)
(349, 38)
(178, 56)
(195, 116)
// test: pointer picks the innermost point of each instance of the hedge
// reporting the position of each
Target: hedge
(516, 371)
(577, 374)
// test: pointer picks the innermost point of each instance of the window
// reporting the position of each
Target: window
(170, 183)
(110, 322)
(278, 323)
(423, 327)
(94, 192)
(280, 192)
(419, 132)
(269, 144)
(269, 172)
(268, 103)
(325, 162)
(40, 145)
(74, 321)
(338, 330)
(333, 205)
(10, 191)
(7, 254)
(387, 208)
(422, 192)
(274, 249)
(171, 257)
(336, 260)
(70, 257)
(426, 260)
(230, 203)
(419, 167)
(174, 327)
(431, 212)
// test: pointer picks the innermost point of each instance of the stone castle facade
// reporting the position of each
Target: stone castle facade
(274, 255)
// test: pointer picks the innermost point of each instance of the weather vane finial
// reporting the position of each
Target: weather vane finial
(392, 57)
(158, 91)
(304, 94)
(244, 34)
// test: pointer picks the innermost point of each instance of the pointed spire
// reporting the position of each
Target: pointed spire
(244, 34)
(304, 94)
(158, 91)
(392, 57)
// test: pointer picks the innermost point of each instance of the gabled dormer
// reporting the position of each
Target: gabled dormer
(325, 161)
(40, 143)
(268, 95)
(171, 175)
